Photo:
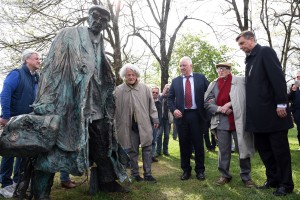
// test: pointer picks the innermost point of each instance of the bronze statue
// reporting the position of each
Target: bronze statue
(77, 85)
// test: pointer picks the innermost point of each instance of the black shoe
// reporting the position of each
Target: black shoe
(138, 178)
(150, 179)
(185, 176)
(166, 154)
(281, 191)
(113, 186)
(211, 149)
(200, 176)
(154, 159)
(267, 185)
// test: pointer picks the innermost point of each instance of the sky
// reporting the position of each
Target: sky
(206, 10)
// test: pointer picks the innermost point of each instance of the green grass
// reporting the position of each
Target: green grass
(169, 186)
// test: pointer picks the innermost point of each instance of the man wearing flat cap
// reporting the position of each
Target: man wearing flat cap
(225, 100)
(77, 84)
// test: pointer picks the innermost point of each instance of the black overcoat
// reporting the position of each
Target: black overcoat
(265, 88)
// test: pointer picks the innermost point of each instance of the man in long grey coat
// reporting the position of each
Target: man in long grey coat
(225, 100)
(135, 111)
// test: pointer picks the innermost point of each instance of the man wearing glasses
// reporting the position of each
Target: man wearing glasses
(225, 100)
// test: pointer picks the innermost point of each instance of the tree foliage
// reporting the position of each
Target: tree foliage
(204, 56)
(35, 23)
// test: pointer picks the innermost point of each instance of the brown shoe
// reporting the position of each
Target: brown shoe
(68, 185)
(249, 184)
(222, 181)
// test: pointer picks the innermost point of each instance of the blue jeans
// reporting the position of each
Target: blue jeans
(6, 169)
(165, 130)
(64, 176)
(156, 132)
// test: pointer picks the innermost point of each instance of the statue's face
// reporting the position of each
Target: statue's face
(97, 21)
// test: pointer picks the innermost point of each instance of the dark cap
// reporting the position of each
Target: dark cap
(224, 64)
(101, 9)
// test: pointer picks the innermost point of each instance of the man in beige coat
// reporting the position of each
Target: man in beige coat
(225, 100)
(135, 111)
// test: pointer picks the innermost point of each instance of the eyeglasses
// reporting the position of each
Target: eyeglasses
(222, 68)
(154, 92)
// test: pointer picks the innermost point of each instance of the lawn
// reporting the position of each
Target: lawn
(169, 186)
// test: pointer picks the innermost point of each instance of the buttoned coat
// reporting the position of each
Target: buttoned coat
(138, 100)
(237, 97)
(176, 95)
(265, 88)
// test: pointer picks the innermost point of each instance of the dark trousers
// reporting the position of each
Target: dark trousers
(274, 150)
(190, 133)
(7, 168)
(209, 143)
(296, 116)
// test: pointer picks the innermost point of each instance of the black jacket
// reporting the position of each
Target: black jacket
(265, 88)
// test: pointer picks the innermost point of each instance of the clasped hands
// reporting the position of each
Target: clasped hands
(3, 122)
(225, 109)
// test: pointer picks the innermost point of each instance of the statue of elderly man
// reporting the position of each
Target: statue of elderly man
(77, 84)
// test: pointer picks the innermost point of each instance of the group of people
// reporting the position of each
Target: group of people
(99, 120)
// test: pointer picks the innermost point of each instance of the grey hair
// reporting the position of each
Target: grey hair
(188, 59)
(27, 53)
(133, 67)
(246, 34)
(155, 87)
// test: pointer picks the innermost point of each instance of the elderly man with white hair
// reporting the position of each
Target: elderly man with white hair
(134, 110)
(18, 93)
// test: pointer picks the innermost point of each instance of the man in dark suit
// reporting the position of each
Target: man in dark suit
(186, 102)
(267, 112)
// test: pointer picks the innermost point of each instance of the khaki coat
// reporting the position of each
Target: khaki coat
(138, 100)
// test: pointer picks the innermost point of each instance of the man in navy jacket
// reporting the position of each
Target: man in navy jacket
(186, 102)
(19, 90)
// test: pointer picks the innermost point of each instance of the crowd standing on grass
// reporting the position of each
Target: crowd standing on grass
(77, 85)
